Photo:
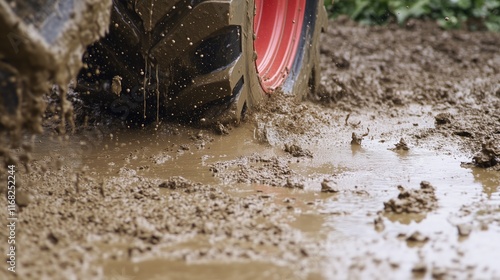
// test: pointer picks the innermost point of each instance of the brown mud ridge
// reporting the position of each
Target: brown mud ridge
(75, 220)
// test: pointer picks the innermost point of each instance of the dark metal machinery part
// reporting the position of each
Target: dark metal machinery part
(192, 59)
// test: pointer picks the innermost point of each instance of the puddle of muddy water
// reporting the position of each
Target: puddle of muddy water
(159, 269)
(342, 222)
(353, 243)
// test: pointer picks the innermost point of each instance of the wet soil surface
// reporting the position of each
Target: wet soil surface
(391, 171)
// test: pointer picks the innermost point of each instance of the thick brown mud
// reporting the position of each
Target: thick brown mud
(391, 171)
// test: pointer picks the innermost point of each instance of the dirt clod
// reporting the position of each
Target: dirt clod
(328, 186)
(221, 129)
(273, 171)
(443, 118)
(418, 237)
(438, 272)
(489, 155)
(379, 223)
(294, 183)
(23, 198)
(413, 200)
(401, 145)
(464, 229)
(356, 139)
(176, 182)
(297, 151)
(419, 267)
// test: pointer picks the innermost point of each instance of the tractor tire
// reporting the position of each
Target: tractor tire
(208, 60)
(42, 41)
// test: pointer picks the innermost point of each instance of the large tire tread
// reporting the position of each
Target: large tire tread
(202, 52)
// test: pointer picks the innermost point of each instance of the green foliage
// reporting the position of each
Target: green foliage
(448, 13)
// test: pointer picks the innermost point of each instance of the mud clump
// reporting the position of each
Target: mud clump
(328, 186)
(378, 222)
(413, 200)
(221, 129)
(176, 182)
(401, 145)
(297, 151)
(357, 139)
(294, 183)
(419, 268)
(464, 229)
(489, 155)
(256, 169)
(416, 237)
(443, 118)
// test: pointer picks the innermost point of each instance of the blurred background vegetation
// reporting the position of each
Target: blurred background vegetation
(470, 14)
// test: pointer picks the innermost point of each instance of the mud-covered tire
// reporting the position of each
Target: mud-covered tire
(193, 59)
(42, 41)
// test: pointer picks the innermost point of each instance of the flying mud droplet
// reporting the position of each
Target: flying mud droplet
(116, 85)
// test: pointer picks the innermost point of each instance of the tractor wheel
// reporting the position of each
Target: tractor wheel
(212, 59)
(42, 42)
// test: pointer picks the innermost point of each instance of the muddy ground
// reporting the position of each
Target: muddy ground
(390, 171)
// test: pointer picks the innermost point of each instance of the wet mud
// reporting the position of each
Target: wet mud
(297, 191)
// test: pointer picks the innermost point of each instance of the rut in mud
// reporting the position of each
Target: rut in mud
(109, 201)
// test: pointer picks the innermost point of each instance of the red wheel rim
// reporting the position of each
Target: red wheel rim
(277, 28)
